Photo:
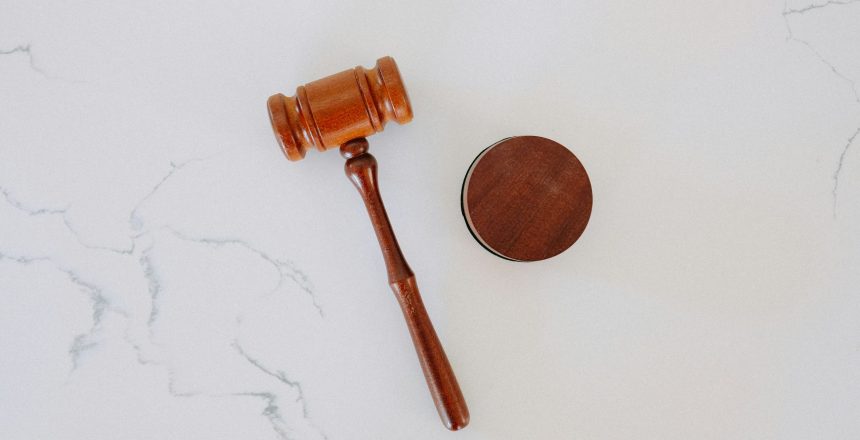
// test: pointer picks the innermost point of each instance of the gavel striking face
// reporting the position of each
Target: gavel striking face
(339, 111)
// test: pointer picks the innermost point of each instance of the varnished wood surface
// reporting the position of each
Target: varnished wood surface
(361, 168)
(526, 198)
(330, 111)
(339, 110)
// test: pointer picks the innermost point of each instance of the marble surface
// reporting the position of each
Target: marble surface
(166, 274)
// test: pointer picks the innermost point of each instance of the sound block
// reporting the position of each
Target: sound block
(526, 198)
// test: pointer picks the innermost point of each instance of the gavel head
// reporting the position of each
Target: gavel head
(328, 112)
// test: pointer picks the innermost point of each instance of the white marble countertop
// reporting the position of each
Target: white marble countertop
(166, 274)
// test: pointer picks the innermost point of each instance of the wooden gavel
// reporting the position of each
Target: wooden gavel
(339, 111)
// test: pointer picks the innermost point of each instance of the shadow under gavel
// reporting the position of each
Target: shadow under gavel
(339, 111)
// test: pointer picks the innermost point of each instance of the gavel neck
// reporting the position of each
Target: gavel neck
(361, 169)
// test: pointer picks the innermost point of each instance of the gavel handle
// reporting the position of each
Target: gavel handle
(361, 169)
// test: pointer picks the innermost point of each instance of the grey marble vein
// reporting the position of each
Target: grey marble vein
(98, 302)
(286, 269)
(63, 214)
(171, 386)
(813, 6)
(22, 259)
(83, 342)
(134, 219)
(279, 375)
(80, 344)
(153, 285)
(271, 411)
(17, 204)
(838, 171)
(27, 50)
(100, 305)
(791, 37)
(851, 83)
(282, 377)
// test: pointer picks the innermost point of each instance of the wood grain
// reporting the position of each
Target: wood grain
(339, 110)
(526, 198)
(361, 169)
(330, 111)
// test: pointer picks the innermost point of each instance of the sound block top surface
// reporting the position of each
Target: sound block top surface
(526, 198)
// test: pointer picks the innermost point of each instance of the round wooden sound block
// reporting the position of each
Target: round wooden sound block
(526, 198)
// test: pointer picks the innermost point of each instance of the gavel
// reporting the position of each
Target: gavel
(340, 111)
